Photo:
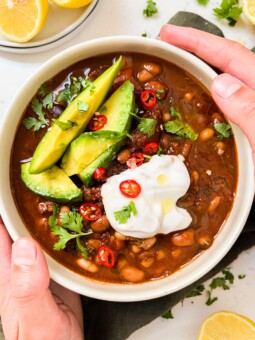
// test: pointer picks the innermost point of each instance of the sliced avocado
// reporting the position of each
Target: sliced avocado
(102, 161)
(53, 184)
(86, 148)
(117, 110)
(56, 140)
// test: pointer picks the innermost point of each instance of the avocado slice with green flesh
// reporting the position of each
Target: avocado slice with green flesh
(86, 148)
(117, 110)
(54, 143)
(52, 184)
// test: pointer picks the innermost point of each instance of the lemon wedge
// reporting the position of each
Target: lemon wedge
(71, 3)
(226, 325)
(249, 10)
(20, 20)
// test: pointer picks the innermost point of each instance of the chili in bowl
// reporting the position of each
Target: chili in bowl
(124, 169)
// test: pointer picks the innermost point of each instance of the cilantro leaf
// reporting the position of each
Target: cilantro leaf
(228, 275)
(48, 101)
(179, 127)
(203, 2)
(168, 315)
(32, 122)
(124, 214)
(44, 89)
(65, 95)
(241, 276)
(147, 126)
(219, 282)
(210, 300)
(64, 125)
(223, 129)
(71, 221)
(150, 9)
(197, 291)
(82, 107)
(228, 10)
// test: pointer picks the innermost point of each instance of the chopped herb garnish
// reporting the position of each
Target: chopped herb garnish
(44, 89)
(179, 127)
(168, 315)
(82, 107)
(159, 92)
(65, 95)
(210, 300)
(240, 277)
(203, 2)
(36, 123)
(71, 91)
(124, 214)
(48, 101)
(229, 10)
(151, 9)
(70, 222)
(197, 291)
(146, 126)
(64, 125)
(144, 35)
(223, 129)
(218, 282)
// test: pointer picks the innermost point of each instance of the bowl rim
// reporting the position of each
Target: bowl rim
(196, 268)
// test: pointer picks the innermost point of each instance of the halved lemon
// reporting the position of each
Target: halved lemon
(226, 325)
(249, 10)
(21, 20)
(71, 3)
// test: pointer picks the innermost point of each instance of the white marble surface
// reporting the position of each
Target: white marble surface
(124, 17)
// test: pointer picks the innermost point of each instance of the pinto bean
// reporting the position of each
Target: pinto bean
(166, 117)
(206, 134)
(132, 274)
(123, 156)
(195, 179)
(88, 265)
(100, 225)
(160, 255)
(148, 243)
(184, 238)
(204, 241)
(147, 262)
(220, 146)
(64, 209)
(149, 71)
(94, 243)
(216, 118)
(186, 149)
(214, 205)
(135, 249)
(119, 236)
(188, 96)
(160, 88)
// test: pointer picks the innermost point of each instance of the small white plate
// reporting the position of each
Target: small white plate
(61, 25)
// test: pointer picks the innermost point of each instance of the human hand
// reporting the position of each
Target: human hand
(29, 309)
(234, 90)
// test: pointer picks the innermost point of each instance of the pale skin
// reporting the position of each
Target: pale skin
(32, 307)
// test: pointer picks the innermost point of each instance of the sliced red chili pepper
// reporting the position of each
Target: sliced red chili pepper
(100, 174)
(135, 160)
(97, 122)
(106, 256)
(90, 211)
(130, 188)
(148, 99)
(151, 148)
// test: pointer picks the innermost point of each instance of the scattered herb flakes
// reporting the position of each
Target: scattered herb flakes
(74, 89)
(65, 95)
(203, 2)
(241, 276)
(223, 129)
(197, 291)
(145, 35)
(151, 9)
(229, 10)
(82, 107)
(48, 101)
(168, 315)
(64, 125)
(124, 214)
(70, 222)
(146, 126)
(210, 300)
(44, 89)
(33, 122)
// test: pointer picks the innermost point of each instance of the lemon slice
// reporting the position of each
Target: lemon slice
(71, 3)
(249, 10)
(225, 325)
(21, 20)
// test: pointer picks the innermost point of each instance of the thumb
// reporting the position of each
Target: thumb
(237, 101)
(34, 302)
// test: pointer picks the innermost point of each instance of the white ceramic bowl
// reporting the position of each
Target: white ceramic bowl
(198, 267)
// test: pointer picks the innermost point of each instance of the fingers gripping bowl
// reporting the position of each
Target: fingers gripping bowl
(163, 95)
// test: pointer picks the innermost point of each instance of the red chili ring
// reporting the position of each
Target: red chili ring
(136, 159)
(148, 99)
(97, 122)
(90, 211)
(106, 256)
(100, 174)
(130, 188)
(151, 148)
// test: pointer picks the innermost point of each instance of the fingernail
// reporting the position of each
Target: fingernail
(225, 86)
(23, 253)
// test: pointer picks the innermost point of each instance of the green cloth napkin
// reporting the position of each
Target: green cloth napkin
(104, 320)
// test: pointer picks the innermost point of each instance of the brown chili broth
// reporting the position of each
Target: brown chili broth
(202, 157)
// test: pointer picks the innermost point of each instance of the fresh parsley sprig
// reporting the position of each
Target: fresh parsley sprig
(151, 9)
(179, 127)
(223, 129)
(33, 122)
(146, 126)
(70, 222)
(229, 10)
(123, 215)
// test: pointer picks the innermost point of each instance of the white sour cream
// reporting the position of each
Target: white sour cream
(163, 180)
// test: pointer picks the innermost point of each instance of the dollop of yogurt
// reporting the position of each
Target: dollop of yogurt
(163, 180)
